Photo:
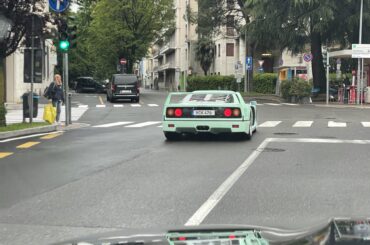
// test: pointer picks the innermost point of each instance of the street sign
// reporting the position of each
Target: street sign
(59, 5)
(123, 61)
(360, 51)
(307, 57)
(261, 62)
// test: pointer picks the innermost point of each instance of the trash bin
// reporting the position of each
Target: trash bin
(26, 106)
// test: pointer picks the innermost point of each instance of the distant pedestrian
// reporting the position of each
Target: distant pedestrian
(151, 86)
(56, 94)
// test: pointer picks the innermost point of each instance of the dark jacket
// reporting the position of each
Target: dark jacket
(56, 92)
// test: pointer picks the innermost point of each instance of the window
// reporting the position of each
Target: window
(229, 49)
(230, 24)
(219, 50)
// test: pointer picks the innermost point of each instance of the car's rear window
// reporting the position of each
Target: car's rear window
(202, 98)
(125, 79)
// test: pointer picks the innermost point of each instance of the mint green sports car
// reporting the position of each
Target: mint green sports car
(209, 111)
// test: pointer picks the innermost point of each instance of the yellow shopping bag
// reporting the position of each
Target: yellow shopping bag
(50, 113)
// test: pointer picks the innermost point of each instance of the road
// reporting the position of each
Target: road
(305, 164)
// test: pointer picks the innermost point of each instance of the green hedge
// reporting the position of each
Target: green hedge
(212, 83)
(295, 88)
(265, 83)
(262, 83)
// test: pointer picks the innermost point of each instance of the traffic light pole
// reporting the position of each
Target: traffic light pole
(66, 89)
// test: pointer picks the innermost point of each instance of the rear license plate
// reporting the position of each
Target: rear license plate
(125, 91)
(204, 113)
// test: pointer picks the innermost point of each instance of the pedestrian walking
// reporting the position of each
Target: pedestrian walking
(56, 94)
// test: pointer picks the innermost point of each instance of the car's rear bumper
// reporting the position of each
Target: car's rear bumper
(117, 96)
(215, 127)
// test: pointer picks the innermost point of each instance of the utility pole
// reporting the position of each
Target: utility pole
(30, 96)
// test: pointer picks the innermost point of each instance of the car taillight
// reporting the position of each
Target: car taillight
(227, 112)
(170, 112)
(178, 112)
(236, 112)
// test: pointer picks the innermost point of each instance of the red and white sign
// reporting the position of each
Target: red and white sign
(123, 61)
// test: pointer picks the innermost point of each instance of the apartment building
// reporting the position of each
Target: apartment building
(18, 68)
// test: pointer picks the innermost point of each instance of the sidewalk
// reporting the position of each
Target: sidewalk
(338, 105)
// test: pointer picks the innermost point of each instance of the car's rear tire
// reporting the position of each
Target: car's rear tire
(171, 136)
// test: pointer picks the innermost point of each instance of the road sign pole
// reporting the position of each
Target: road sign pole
(327, 77)
(30, 96)
(66, 89)
(359, 60)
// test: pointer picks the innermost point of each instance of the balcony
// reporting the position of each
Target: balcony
(168, 47)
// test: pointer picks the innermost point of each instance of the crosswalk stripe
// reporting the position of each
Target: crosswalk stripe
(273, 104)
(152, 105)
(117, 105)
(303, 124)
(269, 124)
(83, 106)
(5, 154)
(108, 125)
(135, 105)
(100, 106)
(366, 124)
(27, 145)
(332, 124)
(140, 125)
(160, 126)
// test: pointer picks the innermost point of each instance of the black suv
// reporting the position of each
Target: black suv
(123, 86)
(88, 84)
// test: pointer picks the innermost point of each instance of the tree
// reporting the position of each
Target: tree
(19, 13)
(125, 29)
(296, 23)
(205, 53)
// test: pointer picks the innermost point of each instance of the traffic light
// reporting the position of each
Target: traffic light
(63, 43)
(67, 34)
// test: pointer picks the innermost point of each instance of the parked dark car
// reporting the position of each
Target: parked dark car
(123, 86)
(89, 84)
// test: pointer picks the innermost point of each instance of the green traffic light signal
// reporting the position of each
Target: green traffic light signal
(64, 45)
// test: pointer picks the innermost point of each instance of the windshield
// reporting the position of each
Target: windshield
(156, 117)
(202, 98)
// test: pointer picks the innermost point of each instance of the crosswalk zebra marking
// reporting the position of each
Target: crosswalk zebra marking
(118, 106)
(366, 124)
(152, 105)
(303, 124)
(144, 124)
(272, 104)
(269, 124)
(332, 124)
(108, 125)
(100, 106)
(135, 105)
(83, 106)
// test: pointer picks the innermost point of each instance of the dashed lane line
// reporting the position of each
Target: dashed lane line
(28, 145)
(5, 154)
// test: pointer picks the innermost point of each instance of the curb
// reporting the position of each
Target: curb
(28, 131)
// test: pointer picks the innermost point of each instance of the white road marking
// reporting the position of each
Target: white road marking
(152, 105)
(160, 126)
(273, 104)
(269, 124)
(117, 105)
(290, 104)
(221, 191)
(332, 124)
(83, 106)
(144, 124)
(100, 106)
(303, 124)
(28, 136)
(135, 105)
(108, 125)
(366, 124)
(313, 140)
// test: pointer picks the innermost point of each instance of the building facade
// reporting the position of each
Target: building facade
(18, 68)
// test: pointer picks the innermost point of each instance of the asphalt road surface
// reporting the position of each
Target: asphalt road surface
(304, 165)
